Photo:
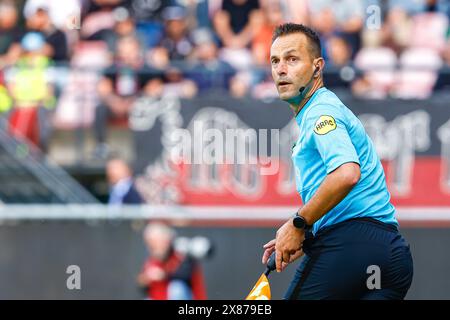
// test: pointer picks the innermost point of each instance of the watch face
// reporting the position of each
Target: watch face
(299, 222)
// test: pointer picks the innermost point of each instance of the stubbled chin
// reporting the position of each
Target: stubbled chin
(286, 95)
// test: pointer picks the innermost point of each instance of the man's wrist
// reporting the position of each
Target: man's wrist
(300, 222)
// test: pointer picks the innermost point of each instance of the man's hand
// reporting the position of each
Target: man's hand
(288, 244)
(270, 247)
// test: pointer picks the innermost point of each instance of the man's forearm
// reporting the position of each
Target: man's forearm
(333, 190)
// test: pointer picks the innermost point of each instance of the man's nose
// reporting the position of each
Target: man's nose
(281, 68)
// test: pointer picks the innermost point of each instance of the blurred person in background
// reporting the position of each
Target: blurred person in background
(31, 91)
(338, 52)
(98, 16)
(118, 88)
(176, 34)
(120, 178)
(10, 33)
(418, 6)
(158, 58)
(446, 53)
(233, 22)
(124, 25)
(176, 85)
(197, 13)
(443, 81)
(168, 274)
(60, 12)
(344, 17)
(148, 17)
(396, 31)
(55, 40)
(205, 67)
(265, 21)
(5, 99)
(296, 11)
(236, 24)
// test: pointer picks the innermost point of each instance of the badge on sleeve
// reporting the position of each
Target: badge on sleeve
(324, 125)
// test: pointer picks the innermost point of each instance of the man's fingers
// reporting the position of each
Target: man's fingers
(278, 260)
(296, 255)
(267, 254)
(286, 256)
(271, 243)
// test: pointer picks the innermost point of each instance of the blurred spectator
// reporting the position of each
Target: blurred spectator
(147, 11)
(124, 25)
(338, 52)
(60, 12)
(339, 63)
(118, 88)
(236, 24)
(408, 6)
(120, 179)
(233, 22)
(396, 32)
(158, 58)
(258, 75)
(148, 17)
(176, 39)
(206, 69)
(338, 16)
(265, 22)
(176, 85)
(5, 99)
(443, 81)
(446, 53)
(419, 6)
(55, 46)
(168, 274)
(197, 13)
(98, 16)
(31, 91)
(9, 33)
(296, 11)
(56, 42)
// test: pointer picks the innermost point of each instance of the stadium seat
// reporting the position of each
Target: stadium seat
(430, 31)
(418, 73)
(379, 66)
(79, 98)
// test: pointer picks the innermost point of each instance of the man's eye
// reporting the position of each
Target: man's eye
(292, 59)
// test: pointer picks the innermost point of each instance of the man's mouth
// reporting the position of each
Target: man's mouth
(283, 84)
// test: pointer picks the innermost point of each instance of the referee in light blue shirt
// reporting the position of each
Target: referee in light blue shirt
(347, 228)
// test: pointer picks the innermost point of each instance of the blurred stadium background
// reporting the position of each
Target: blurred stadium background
(91, 92)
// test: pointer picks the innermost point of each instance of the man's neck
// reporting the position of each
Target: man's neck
(316, 86)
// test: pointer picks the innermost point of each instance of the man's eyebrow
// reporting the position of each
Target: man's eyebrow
(289, 52)
(284, 54)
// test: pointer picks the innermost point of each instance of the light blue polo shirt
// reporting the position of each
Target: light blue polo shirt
(331, 135)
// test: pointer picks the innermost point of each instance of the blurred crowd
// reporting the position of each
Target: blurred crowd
(98, 58)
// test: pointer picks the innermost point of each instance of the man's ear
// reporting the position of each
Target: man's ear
(319, 64)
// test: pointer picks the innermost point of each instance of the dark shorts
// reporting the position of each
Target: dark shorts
(341, 262)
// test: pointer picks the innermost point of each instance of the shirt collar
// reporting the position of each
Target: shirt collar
(299, 116)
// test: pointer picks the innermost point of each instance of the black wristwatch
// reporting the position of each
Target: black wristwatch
(300, 222)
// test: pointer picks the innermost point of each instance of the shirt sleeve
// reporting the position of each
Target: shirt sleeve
(329, 134)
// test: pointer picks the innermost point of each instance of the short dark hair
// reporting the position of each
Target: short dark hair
(313, 38)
